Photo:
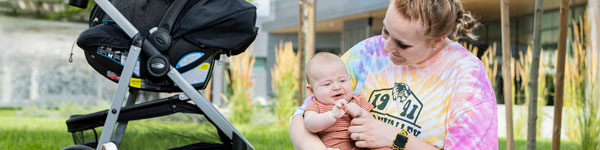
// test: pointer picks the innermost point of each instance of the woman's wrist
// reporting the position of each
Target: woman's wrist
(416, 143)
(401, 140)
(389, 134)
(392, 135)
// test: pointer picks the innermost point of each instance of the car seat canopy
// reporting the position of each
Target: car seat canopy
(200, 33)
(226, 24)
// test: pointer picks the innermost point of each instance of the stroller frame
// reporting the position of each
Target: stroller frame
(211, 113)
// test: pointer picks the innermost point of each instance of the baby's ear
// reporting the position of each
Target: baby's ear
(309, 90)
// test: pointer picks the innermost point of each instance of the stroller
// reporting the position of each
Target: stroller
(161, 46)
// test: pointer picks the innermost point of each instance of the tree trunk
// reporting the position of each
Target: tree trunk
(533, 76)
(560, 72)
(306, 41)
(506, 56)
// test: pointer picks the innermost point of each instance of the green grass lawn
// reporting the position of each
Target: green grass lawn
(23, 133)
(521, 144)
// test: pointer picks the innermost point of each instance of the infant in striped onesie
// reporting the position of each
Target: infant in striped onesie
(333, 105)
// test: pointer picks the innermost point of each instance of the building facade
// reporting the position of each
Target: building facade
(341, 24)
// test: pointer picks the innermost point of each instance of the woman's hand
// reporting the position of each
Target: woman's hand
(301, 137)
(356, 111)
(372, 133)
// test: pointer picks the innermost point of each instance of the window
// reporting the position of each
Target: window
(260, 64)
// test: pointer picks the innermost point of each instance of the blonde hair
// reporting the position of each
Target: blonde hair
(320, 58)
(440, 17)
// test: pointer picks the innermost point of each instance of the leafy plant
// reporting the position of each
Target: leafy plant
(523, 68)
(285, 81)
(71, 12)
(582, 87)
(240, 76)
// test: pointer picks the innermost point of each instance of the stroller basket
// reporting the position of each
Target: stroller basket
(161, 46)
(150, 109)
(78, 124)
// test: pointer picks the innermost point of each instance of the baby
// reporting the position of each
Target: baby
(333, 106)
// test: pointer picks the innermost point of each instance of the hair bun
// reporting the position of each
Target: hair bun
(465, 24)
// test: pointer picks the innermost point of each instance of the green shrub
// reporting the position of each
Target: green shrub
(239, 99)
(285, 81)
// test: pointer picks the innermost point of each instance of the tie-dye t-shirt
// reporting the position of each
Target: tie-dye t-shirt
(446, 101)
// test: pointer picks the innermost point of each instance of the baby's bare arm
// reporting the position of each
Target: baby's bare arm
(316, 122)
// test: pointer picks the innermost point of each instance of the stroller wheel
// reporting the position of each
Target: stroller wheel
(78, 147)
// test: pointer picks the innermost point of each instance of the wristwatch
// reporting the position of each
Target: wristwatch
(401, 140)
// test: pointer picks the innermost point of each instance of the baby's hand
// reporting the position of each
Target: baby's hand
(354, 110)
(339, 109)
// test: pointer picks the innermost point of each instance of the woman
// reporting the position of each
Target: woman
(419, 82)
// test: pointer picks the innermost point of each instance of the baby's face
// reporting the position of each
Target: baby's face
(330, 82)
